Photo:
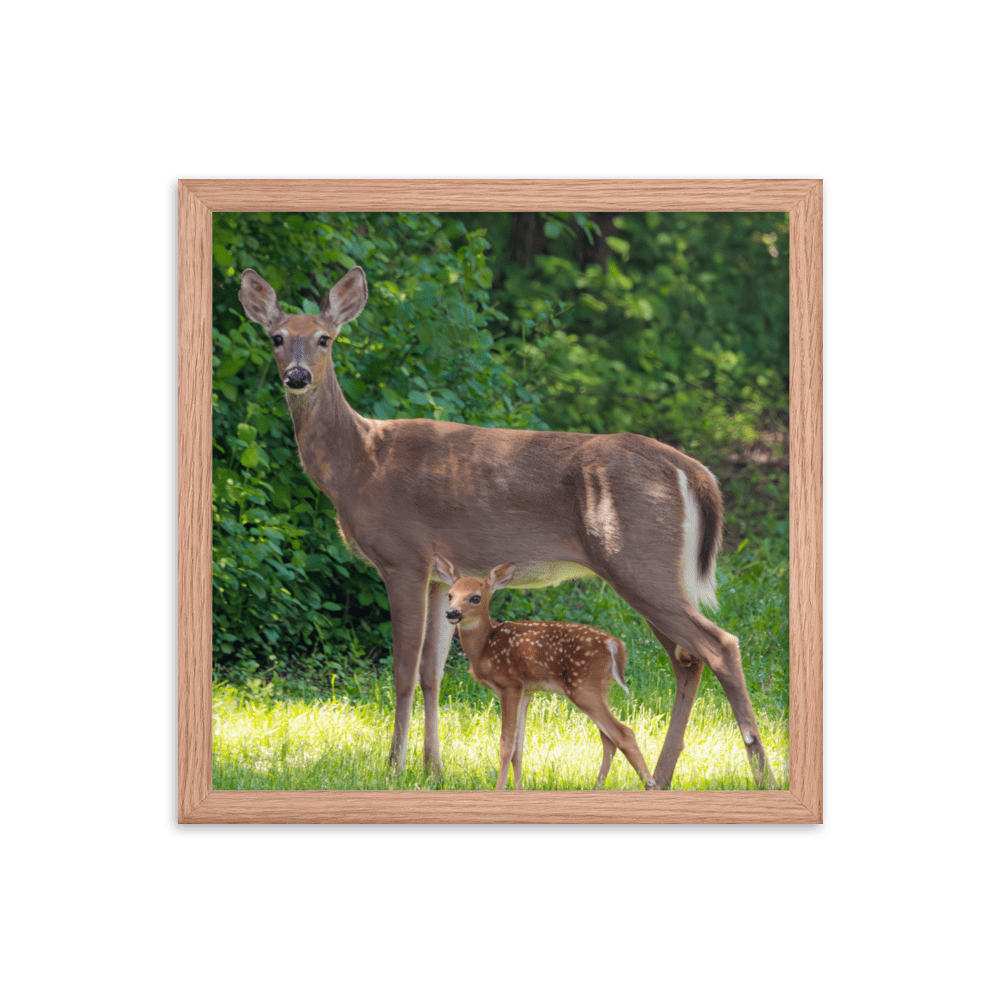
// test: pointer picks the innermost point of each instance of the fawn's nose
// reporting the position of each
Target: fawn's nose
(297, 377)
(453, 615)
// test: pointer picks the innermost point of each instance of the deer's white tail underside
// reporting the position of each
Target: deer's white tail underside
(700, 588)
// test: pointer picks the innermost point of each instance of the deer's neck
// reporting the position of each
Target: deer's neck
(474, 635)
(330, 435)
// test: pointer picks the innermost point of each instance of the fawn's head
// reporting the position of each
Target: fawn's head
(469, 597)
(302, 343)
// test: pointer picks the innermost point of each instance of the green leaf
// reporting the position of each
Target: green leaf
(229, 367)
(620, 246)
(282, 495)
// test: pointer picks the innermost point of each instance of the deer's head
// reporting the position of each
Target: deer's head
(302, 343)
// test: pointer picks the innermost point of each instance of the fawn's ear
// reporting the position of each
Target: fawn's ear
(500, 576)
(445, 570)
(259, 301)
(345, 300)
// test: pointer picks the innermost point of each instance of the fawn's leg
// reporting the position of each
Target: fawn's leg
(522, 717)
(609, 752)
(592, 703)
(510, 700)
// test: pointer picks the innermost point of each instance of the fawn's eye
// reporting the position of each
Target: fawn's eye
(474, 599)
(323, 341)
(277, 340)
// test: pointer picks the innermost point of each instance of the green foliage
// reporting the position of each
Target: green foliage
(681, 330)
(287, 596)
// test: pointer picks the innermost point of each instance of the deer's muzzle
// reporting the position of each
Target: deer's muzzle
(453, 615)
(297, 378)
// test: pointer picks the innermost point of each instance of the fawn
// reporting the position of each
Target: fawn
(515, 659)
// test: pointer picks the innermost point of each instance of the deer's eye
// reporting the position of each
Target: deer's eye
(323, 341)
(474, 599)
(277, 340)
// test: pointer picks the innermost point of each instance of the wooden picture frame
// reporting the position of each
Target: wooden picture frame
(198, 802)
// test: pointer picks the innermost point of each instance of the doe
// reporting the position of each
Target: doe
(515, 659)
(633, 511)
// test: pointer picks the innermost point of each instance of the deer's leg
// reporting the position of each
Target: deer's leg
(687, 670)
(510, 700)
(408, 607)
(678, 623)
(437, 640)
(522, 719)
(728, 668)
(721, 651)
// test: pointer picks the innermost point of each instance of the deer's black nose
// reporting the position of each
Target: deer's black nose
(297, 378)
(453, 615)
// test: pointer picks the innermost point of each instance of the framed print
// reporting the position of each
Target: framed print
(803, 198)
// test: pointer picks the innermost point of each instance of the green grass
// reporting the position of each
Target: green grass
(266, 740)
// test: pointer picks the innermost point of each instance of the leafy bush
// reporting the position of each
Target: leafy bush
(681, 328)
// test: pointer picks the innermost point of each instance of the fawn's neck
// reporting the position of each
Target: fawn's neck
(473, 634)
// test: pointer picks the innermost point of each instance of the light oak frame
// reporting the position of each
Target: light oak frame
(198, 802)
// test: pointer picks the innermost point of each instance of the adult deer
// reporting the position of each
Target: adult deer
(515, 659)
(637, 513)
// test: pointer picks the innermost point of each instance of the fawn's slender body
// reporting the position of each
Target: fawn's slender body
(515, 659)
(643, 516)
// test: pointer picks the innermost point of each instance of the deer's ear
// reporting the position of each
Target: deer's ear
(346, 299)
(259, 301)
(500, 576)
(445, 570)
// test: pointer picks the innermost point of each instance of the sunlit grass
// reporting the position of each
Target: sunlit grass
(340, 743)
(264, 741)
